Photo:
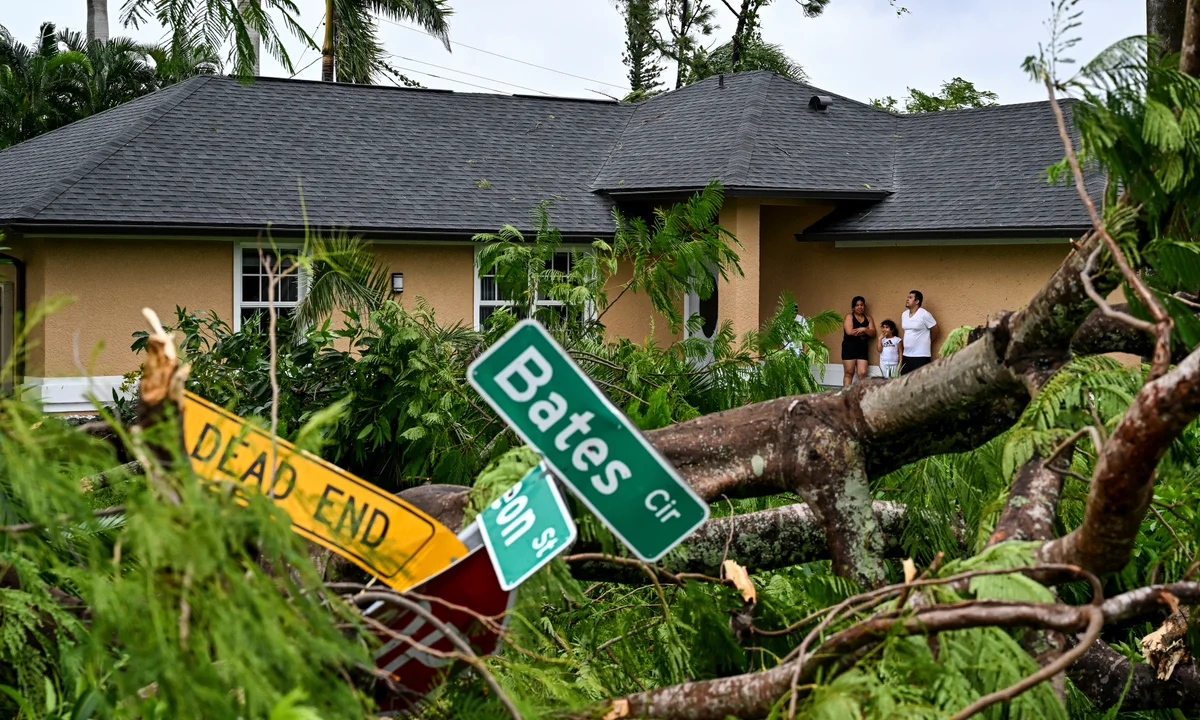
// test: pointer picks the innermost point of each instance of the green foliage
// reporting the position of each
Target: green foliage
(62, 78)
(644, 71)
(756, 54)
(955, 94)
(183, 619)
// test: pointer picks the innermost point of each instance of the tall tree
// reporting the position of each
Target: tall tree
(248, 27)
(40, 85)
(117, 71)
(97, 19)
(746, 30)
(687, 21)
(955, 94)
(640, 54)
(351, 49)
(1165, 20)
(756, 55)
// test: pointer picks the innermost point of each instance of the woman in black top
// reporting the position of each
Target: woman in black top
(857, 330)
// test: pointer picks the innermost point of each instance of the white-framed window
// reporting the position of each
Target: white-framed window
(250, 283)
(488, 298)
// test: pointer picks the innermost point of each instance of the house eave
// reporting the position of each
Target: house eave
(655, 193)
(1021, 233)
(185, 231)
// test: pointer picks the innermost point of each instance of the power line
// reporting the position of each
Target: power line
(306, 49)
(439, 77)
(463, 72)
(505, 57)
(314, 62)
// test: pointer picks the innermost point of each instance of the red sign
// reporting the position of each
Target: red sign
(470, 583)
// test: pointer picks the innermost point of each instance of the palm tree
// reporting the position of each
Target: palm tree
(172, 67)
(97, 20)
(41, 87)
(755, 55)
(351, 34)
(343, 274)
(250, 24)
(118, 71)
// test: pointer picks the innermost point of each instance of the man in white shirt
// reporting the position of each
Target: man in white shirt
(919, 331)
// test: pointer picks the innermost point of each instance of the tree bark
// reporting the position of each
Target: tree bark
(97, 20)
(327, 48)
(765, 540)
(738, 43)
(1165, 20)
(1102, 672)
(1123, 481)
(1032, 504)
(1189, 57)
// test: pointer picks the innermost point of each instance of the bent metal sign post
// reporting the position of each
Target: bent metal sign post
(380, 533)
(529, 379)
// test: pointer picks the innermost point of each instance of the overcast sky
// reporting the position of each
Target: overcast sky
(858, 48)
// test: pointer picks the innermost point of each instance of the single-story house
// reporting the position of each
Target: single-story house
(162, 201)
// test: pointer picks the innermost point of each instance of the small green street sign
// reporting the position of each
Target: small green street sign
(526, 527)
(586, 441)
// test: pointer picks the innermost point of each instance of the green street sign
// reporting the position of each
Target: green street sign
(586, 441)
(526, 527)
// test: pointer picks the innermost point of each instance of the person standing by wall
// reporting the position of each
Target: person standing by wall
(891, 349)
(919, 332)
(857, 330)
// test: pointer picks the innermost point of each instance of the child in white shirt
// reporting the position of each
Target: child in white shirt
(891, 349)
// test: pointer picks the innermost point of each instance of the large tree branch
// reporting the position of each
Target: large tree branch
(1123, 481)
(763, 540)
(1101, 674)
(826, 447)
(752, 695)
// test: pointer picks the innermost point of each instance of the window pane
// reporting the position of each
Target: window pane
(487, 289)
(250, 262)
(552, 315)
(260, 318)
(289, 289)
(485, 312)
(250, 289)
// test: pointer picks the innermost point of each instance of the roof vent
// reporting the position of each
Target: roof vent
(820, 102)
(721, 81)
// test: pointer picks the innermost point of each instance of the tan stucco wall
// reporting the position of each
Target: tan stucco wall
(738, 296)
(111, 281)
(441, 274)
(963, 284)
(631, 315)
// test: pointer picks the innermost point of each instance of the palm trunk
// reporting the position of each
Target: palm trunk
(1165, 19)
(327, 48)
(97, 20)
(255, 40)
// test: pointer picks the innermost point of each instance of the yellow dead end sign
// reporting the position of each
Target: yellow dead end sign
(379, 532)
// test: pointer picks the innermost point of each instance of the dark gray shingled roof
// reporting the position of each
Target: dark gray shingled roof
(753, 130)
(971, 172)
(215, 155)
(219, 153)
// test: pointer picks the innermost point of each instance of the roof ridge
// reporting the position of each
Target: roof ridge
(593, 186)
(737, 166)
(831, 93)
(39, 204)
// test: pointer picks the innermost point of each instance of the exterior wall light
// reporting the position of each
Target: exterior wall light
(397, 283)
